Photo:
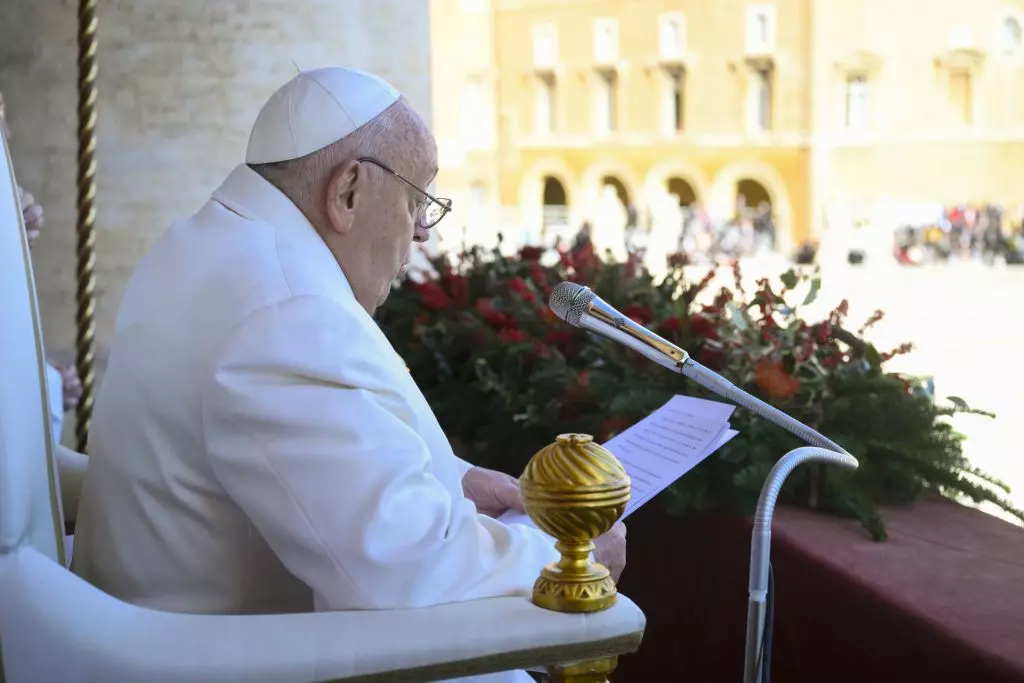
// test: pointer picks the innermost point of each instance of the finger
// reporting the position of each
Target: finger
(513, 498)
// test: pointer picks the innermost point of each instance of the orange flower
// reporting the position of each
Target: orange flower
(775, 381)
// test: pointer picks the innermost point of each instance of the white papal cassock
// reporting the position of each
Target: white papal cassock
(258, 446)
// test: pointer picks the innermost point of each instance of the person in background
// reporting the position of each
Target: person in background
(63, 386)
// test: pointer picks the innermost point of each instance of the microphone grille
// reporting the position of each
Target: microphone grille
(569, 301)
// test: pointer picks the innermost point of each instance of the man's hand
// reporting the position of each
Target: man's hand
(610, 550)
(72, 385)
(31, 215)
(494, 493)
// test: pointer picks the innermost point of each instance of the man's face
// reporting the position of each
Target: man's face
(375, 207)
(399, 218)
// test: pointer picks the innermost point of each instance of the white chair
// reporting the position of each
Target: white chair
(55, 627)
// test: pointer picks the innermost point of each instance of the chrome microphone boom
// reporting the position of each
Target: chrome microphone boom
(580, 307)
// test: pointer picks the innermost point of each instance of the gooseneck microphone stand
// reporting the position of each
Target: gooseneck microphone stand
(580, 307)
(760, 603)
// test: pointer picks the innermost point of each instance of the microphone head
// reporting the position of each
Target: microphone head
(569, 301)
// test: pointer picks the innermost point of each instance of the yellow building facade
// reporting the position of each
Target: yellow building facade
(822, 108)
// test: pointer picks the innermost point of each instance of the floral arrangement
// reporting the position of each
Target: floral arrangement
(504, 376)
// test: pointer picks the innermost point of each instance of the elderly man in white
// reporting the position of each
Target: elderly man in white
(257, 445)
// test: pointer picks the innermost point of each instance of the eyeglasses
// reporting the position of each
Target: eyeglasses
(431, 210)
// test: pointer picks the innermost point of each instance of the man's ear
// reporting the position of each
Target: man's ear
(344, 191)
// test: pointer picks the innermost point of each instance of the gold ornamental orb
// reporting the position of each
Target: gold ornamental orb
(575, 490)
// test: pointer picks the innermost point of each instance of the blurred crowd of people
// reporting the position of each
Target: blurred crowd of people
(694, 233)
(986, 233)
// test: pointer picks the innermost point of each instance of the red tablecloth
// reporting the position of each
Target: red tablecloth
(941, 600)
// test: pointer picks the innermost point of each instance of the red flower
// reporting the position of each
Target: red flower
(519, 286)
(639, 313)
(458, 288)
(737, 276)
(485, 307)
(669, 326)
(840, 311)
(775, 381)
(537, 275)
(531, 253)
(831, 361)
(632, 265)
(823, 332)
(510, 335)
(706, 280)
(678, 260)
(804, 351)
(701, 326)
(491, 315)
(711, 355)
(898, 351)
(712, 311)
(433, 296)
(870, 322)
(558, 337)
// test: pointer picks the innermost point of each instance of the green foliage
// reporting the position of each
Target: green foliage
(504, 376)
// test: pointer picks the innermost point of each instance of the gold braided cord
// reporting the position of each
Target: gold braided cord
(85, 317)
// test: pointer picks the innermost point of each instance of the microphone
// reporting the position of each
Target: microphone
(581, 307)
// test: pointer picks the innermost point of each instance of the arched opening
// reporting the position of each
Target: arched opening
(555, 207)
(751, 195)
(554, 192)
(620, 189)
(683, 191)
(754, 204)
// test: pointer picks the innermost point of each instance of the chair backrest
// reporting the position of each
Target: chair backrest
(30, 507)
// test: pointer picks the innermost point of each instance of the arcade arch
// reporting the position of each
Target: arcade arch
(753, 180)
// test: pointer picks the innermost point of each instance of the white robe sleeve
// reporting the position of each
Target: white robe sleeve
(464, 466)
(305, 433)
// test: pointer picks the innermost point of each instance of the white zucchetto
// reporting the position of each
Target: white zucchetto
(316, 109)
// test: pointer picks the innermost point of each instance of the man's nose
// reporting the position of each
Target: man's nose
(420, 234)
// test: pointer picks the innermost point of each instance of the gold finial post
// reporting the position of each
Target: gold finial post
(85, 317)
(575, 490)
(596, 671)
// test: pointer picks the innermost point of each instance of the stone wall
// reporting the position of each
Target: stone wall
(180, 84)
